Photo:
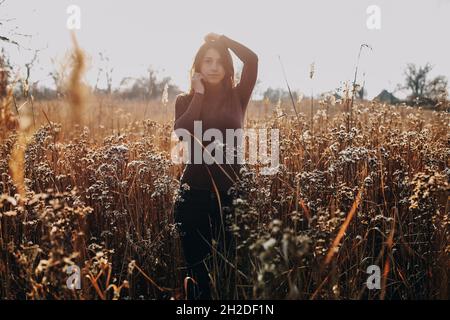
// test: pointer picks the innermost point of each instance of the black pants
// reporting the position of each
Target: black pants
(199, 220)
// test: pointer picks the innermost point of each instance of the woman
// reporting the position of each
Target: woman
(204, 207)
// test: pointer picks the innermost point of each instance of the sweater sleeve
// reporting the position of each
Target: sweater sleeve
(249, 71)
(187, 112)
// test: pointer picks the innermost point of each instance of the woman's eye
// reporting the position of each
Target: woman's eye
(210, 61)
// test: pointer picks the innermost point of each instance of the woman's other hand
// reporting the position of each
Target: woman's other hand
(212, 37)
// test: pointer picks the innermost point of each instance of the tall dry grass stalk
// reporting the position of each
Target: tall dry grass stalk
(76, 90)
(13, 124)
(8, 121)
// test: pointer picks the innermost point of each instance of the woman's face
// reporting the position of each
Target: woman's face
(211, 67)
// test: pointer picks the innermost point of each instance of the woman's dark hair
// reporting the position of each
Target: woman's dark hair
(227, 62)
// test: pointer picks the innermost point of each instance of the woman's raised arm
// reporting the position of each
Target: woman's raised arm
(249, 71)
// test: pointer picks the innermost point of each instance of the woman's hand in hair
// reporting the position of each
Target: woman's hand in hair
(212, 37)
(197, 84)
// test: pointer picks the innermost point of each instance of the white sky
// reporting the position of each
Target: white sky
(166, 34)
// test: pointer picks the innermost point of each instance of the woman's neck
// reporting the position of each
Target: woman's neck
(214, 89)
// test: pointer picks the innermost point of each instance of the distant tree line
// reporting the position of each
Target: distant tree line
(419, 88)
